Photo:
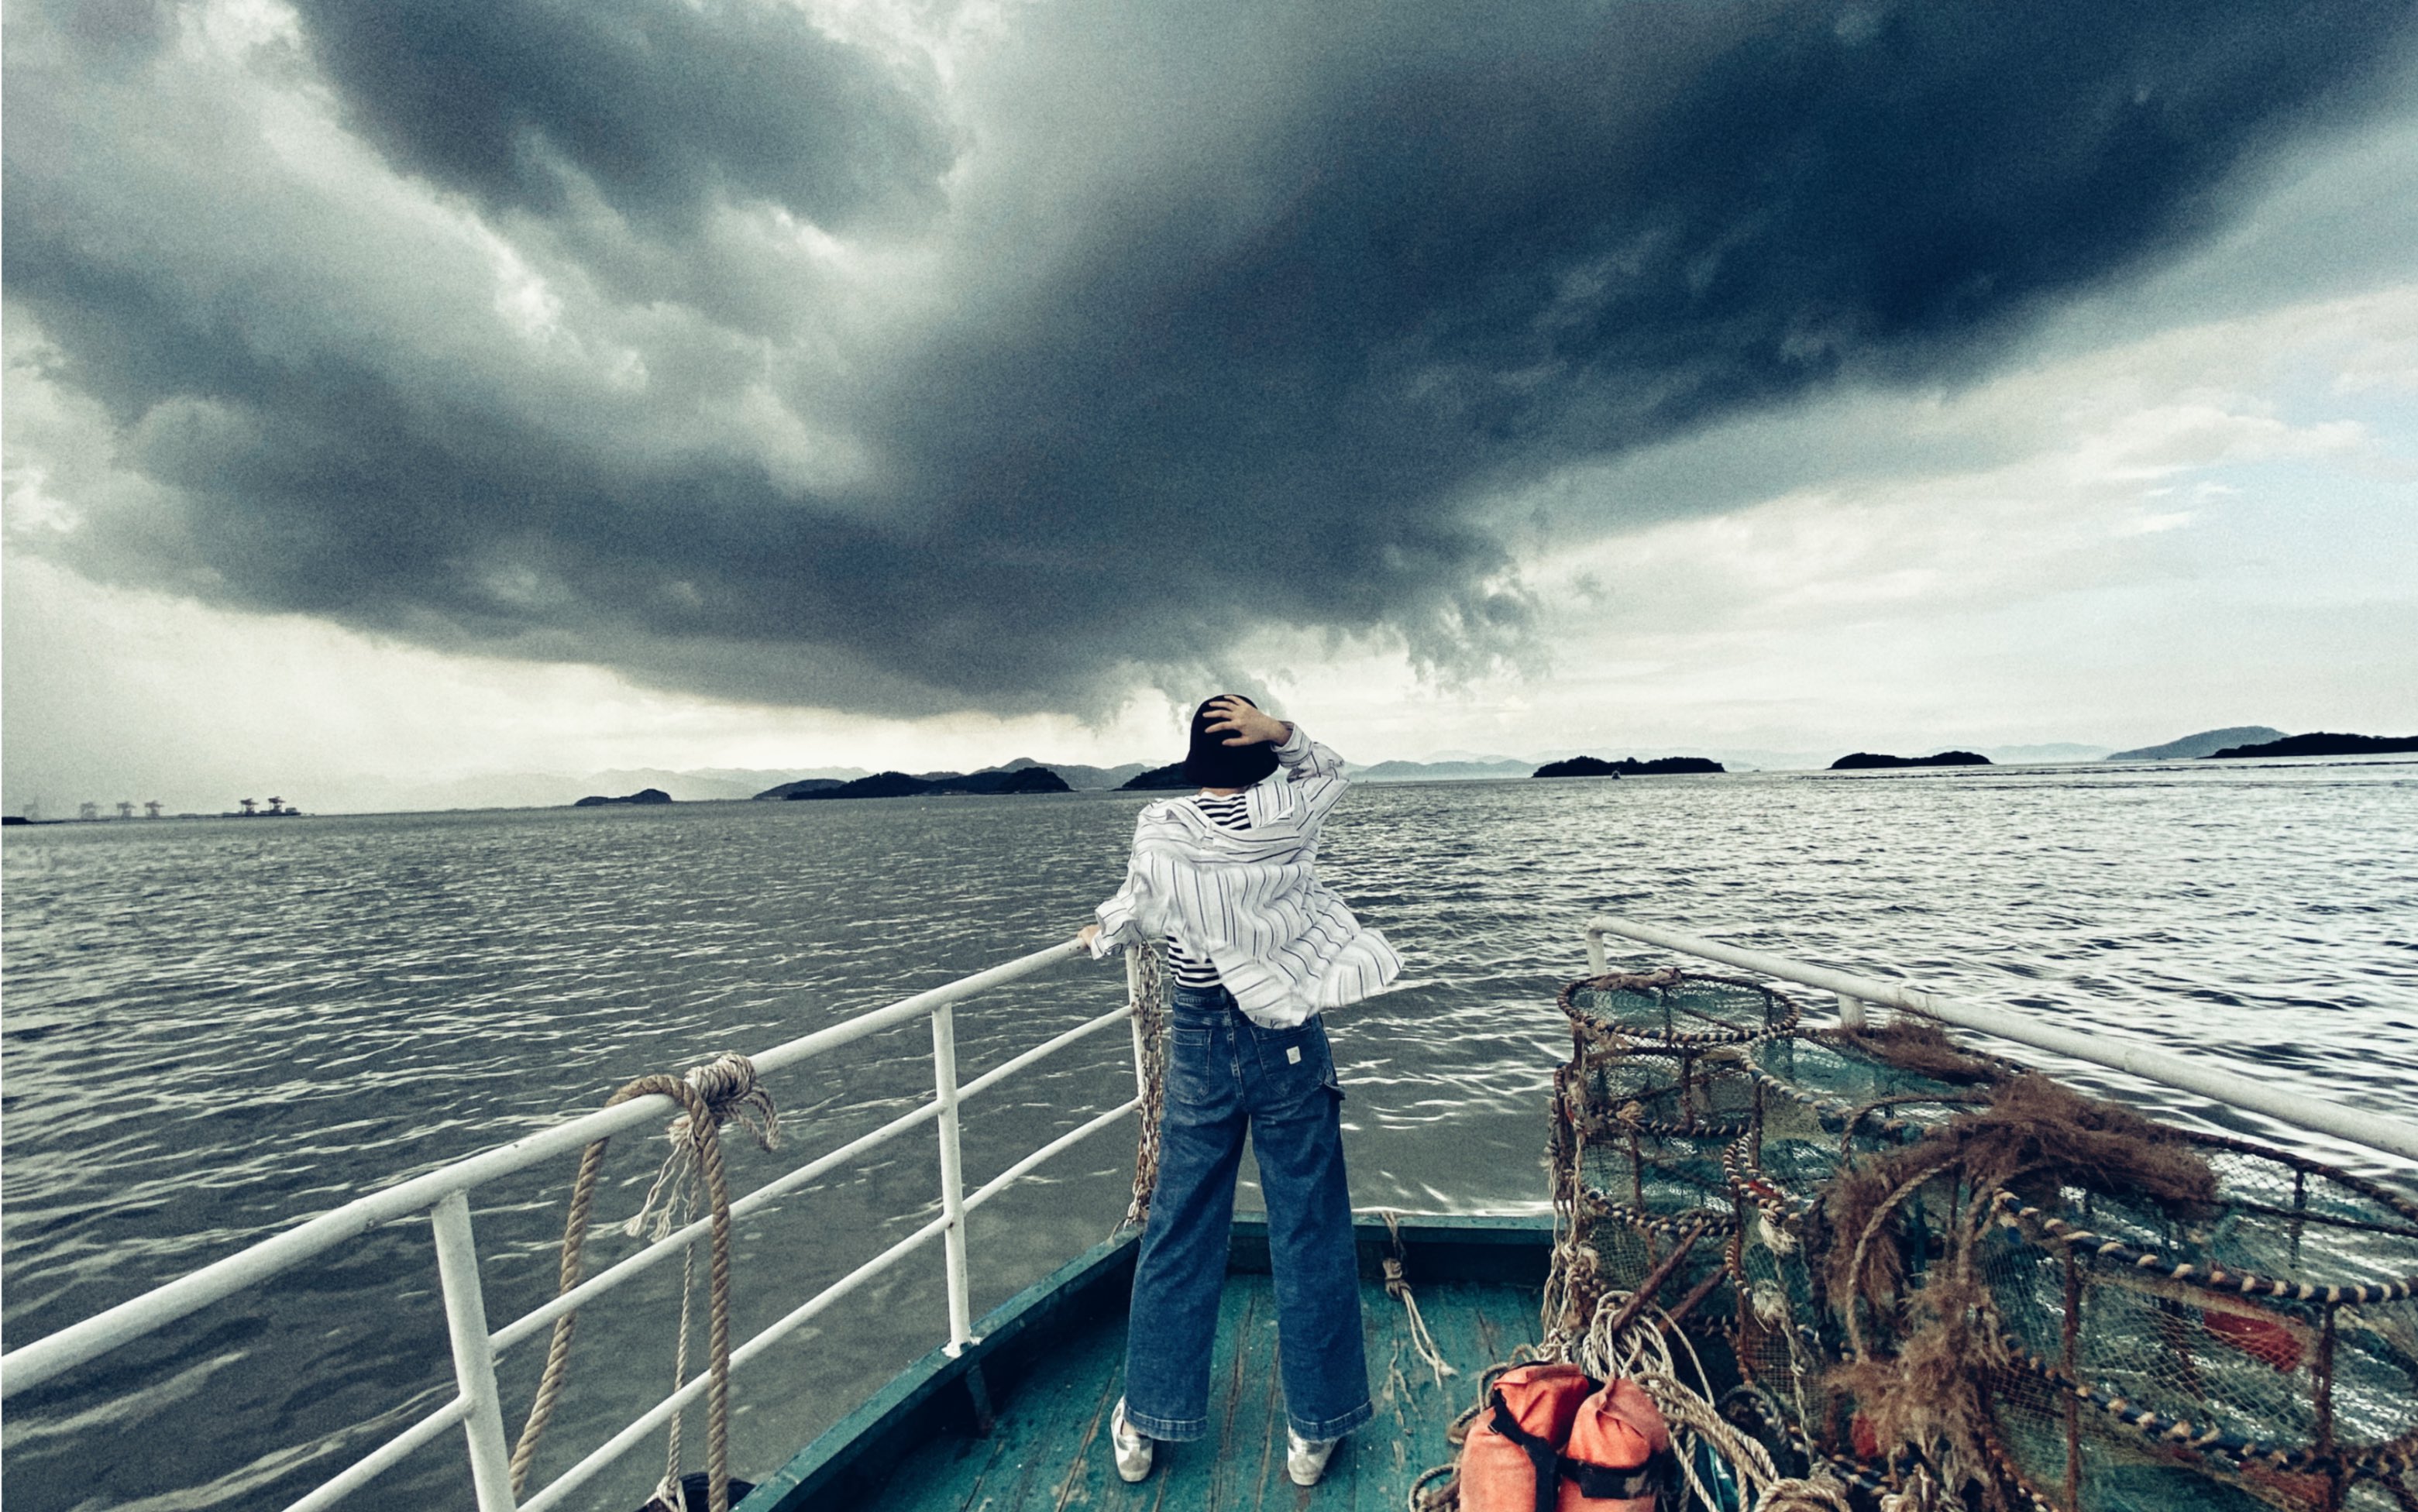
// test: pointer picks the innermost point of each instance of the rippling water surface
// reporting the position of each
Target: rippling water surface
(214, 1027)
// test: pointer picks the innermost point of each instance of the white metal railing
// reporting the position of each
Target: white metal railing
(2375, 1131)
(444, 1194)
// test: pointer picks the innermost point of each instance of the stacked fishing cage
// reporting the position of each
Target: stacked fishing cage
(2259, 1349)
(1930, 1269)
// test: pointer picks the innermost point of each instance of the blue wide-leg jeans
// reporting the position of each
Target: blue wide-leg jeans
(1226, 1076)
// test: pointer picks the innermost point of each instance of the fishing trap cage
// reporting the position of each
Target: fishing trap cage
(1938, 1276)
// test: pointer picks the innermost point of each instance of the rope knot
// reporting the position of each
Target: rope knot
(720, 1092)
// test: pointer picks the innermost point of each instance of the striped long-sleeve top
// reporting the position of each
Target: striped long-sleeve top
(1244, 897)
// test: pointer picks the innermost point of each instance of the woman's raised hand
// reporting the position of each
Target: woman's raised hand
(1251, 726)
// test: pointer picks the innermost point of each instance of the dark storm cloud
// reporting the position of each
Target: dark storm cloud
(663, 107)
(1335, 279)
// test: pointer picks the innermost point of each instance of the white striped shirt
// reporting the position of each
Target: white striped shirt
(1247, 898)
(1227, 812)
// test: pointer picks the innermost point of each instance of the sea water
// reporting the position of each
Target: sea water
(215, 1028)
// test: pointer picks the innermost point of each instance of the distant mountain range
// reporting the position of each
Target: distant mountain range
(2205, 743)
(1081, 778)
(1442, 771)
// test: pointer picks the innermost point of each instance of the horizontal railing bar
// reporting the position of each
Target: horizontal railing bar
(71, 1346)
(993, 1187)
(102, 1332)
(906, 1010)
(629, 1438)
(663, 1249)
(2376, 1131)
(362, 1470)
(1046, 1048)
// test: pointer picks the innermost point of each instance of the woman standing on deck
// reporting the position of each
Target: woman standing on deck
(1257, 948)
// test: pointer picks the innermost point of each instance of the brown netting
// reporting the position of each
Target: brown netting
(1945, 1280)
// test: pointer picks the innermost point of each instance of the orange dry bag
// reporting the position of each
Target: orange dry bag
(1618, 1454)
(1510, 1460)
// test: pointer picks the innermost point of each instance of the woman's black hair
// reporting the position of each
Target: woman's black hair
(1212, 763)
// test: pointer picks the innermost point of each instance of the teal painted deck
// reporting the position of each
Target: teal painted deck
(1050, 1368)
(1050, 1448)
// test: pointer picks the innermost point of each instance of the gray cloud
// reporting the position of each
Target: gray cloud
(1223, 320)
(662, 107)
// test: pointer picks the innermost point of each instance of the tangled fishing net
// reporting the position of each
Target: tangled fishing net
(1925, 1276)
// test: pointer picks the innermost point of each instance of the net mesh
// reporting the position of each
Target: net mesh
(1914, 1256)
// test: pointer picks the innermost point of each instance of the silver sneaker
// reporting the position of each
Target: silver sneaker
(1306, 1459)
(1133, 1449)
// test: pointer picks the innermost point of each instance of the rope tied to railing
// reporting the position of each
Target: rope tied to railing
(710, 1096)
(1146, 978)
(728, 1084)
(1398, 1286)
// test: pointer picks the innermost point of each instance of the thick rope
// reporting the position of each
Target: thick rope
(1149, 1007)
(1644, 1355)
(710, 1095)
(668, 1489)
(1398, 1286)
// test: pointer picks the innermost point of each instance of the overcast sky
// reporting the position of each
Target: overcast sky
(405, 391)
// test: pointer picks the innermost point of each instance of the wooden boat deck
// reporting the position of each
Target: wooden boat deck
(1049, 1367)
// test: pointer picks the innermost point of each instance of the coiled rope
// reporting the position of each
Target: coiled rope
(1644, 1355)
(1630, 1337)
(710, 1096)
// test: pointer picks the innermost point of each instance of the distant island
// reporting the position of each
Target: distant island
(1866, 761)
(801, 787)
(1158, 779)
(1074, 777)
(2320, 743)
(2205, 743)
(1078, 776)
(1033, 779)
(643, 795)
(1586, 766)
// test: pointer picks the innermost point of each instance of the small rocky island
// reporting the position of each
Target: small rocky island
(2320, 743)
(643, 795)
(933, 785)
(1158, 779)
(1587, 766)
(800, 787)
(1867, 760)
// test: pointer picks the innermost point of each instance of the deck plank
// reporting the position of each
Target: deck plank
(1049, 1452)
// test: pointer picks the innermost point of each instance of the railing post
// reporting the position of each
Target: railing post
(953, 1181)
(1851, 1010)
(474, 1361)
(1599, 964)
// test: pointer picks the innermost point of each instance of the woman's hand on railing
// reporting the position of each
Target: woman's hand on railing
(1089, 933)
